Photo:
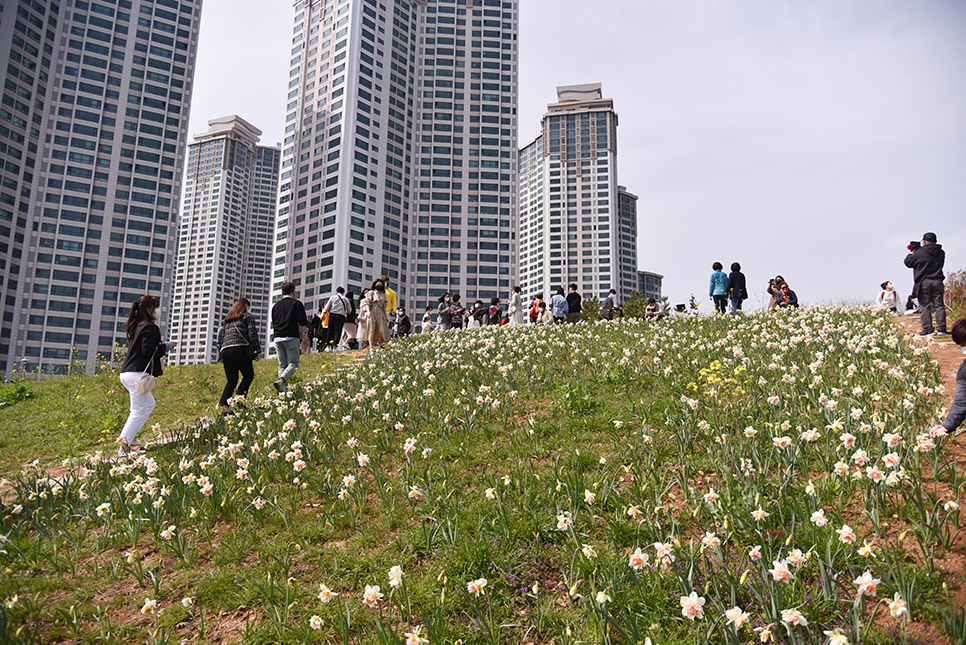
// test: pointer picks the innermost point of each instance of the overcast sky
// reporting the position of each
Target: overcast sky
(811, 139)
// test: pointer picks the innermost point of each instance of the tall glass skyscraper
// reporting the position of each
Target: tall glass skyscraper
(572, 228)
(225, 243)
(398, 157)
(92, 132)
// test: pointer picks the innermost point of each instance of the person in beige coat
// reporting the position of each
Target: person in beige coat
(378, 323)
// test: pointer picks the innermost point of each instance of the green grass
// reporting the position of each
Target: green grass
(525, 426)
(74, 414)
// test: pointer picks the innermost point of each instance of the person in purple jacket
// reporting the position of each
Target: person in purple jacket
(957, 411)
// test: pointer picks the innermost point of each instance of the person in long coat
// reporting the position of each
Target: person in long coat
(378, 323)
(515, 310)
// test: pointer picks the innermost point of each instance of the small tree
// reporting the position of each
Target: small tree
(635, 305)
(590, 309)
(956, 294)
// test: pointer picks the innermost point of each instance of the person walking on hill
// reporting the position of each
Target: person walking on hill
(238, 340)
(558, 306)
(362, 321)
(515, 309)
(607, 307)
(378, 321)
(144, 353)
(718, 291)
(737, 288)
(392, 303)
(495, 312)
(427, 321)
(349, 327)
(456, 313)
(404, 326)
(573, 305)
(288, 315)
(319, 327)
(443, 321)
(927, 263)
(338, 308)
(534, 311)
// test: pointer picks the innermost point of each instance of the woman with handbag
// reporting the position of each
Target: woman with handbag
(142, 364)
(239, 344)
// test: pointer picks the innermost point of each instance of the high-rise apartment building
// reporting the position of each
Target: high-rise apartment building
(650, 284)
(398, 157)
(572, 225)
(226, 238)
(92, 132)
(466, 199)
(625, 240)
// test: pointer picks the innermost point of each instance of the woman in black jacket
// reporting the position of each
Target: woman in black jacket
(144, 353)
(239, 344)
(737, 287)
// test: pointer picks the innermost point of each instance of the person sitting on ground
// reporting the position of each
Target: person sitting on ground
(785, 296)
(654, 310)
(887, 299)
(773, 286)
(427, 321)
(957, 411)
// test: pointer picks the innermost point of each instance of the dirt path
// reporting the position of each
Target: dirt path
(948, 355)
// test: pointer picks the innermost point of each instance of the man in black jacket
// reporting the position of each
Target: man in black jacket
(927, 264)
(287, 315)
(573, 305)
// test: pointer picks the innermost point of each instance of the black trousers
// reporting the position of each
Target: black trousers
(720, 303)
(931, 302)
(334, 337)
(235, 360)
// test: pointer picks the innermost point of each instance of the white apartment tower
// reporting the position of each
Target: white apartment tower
(572, 230)
(398, 152)
(225, 243)
(93, 125)
(466, 199)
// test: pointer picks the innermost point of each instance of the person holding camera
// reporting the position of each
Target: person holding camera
(927, 262)
(773, 287)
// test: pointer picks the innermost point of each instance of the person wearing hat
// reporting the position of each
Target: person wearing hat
(927, 262)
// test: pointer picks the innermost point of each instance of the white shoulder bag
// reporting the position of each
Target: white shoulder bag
(147, 383)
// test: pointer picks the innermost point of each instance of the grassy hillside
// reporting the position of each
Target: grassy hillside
(689, 481)
(64, 417)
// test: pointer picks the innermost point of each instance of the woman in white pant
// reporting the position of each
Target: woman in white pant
(144, 353)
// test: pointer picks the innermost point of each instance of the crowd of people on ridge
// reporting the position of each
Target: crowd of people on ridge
(340, 324)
